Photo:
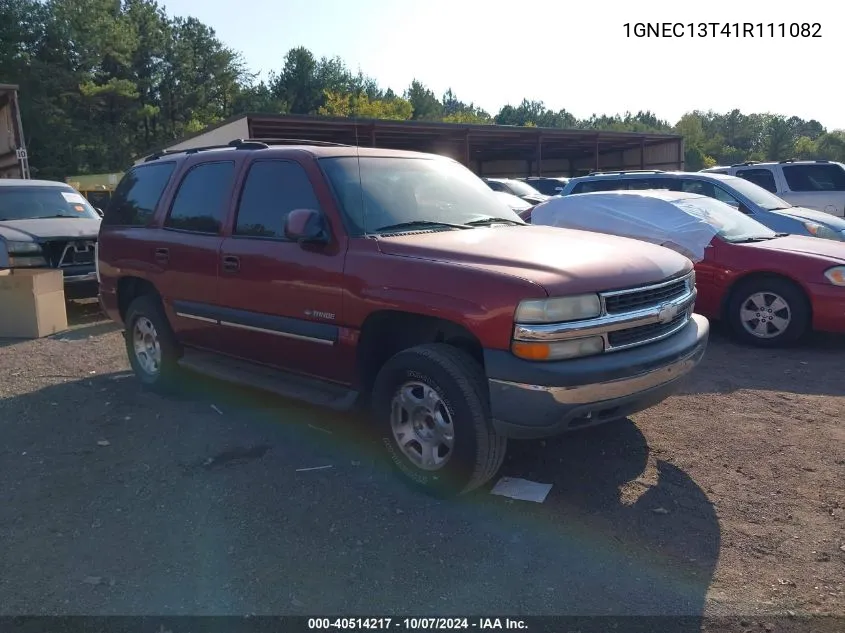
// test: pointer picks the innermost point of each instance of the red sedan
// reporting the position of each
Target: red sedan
(769, 287)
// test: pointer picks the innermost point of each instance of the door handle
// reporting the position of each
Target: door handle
(231, 264)
(162, 255)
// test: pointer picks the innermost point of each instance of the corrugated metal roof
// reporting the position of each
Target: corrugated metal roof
(475, 142)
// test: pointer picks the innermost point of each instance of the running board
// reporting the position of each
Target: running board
(282, 383)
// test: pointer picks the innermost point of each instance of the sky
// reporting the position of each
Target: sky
(572, 55)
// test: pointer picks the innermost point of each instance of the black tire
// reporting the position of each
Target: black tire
(149, 307)
(798, 310)
(477, 452)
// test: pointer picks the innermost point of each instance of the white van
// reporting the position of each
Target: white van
(815, 184)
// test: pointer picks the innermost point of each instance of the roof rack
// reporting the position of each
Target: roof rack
(627, 171)
(240, 143)
(294, 141)
(746, 163)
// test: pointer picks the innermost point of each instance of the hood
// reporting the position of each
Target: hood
(803, 245)
(48, 228)
(812, 215)
(563, 261)
(536, 198)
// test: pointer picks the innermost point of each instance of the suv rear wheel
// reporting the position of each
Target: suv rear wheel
(431, 406)
(150, 343)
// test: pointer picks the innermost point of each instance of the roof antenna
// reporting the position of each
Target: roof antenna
(358, 159)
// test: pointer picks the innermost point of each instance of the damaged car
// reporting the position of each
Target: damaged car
(47, 224)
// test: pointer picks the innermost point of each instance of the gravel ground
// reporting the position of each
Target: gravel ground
(726, 499)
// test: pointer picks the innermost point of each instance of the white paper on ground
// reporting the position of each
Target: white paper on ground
(521, 489)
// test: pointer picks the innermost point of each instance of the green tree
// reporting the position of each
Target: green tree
(424, 104)
(360, 105)
(298, 84)
(780, 139)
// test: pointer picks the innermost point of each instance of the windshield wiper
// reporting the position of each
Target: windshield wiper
(49, 217)
(492, 220)
(413, 223)
(747, 240)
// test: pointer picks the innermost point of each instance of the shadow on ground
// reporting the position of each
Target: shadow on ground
(124, 502)
(810, 367)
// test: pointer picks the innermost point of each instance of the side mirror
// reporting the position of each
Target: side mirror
(99, 211)
(306, 226)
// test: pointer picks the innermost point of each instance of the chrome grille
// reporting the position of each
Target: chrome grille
(645, 333)
(636, 299)
(629, 318)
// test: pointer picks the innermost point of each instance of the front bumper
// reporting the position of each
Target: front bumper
(535, 399)
(81, 286)
(828, 307)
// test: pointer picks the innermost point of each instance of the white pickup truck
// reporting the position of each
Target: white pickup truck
(815, 184)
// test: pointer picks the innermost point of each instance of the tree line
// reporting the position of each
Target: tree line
(102, 81)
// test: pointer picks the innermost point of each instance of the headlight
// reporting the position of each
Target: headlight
(836, 275)
(22, 248)
(23, 255)
(558, 350)
(819, 230)
(558, 309)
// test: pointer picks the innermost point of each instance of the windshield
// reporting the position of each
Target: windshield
(30, 203)
(730, 224)
(522, 189)
(756, 194)
(391, 191)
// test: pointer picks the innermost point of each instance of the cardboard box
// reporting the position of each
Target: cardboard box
(32, 303)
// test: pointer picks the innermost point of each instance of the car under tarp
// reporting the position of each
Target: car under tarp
(681, 222)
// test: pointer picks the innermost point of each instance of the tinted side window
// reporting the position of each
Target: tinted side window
(814, 177)
(135, 199)
(647, 183)
(547, 187)
(273, 188)
(497, 186)
(202, 199)
(698, 186)
(599, 185)
(761, 177)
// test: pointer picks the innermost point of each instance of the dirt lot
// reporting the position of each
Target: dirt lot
(726, 499)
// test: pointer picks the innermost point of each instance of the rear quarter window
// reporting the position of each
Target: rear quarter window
(135, 199)
(814, 177)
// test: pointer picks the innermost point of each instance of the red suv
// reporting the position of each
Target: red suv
(342, 275)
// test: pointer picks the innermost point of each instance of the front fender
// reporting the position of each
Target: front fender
(481, 301)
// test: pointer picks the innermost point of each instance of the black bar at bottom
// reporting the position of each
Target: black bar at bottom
(535, 624)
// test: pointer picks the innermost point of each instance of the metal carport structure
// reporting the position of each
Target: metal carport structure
(489, 150)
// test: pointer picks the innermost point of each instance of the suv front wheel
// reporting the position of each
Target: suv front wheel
(150, 343)
(431, 406)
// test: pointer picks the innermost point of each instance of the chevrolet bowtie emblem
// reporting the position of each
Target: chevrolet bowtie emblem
(667, 312)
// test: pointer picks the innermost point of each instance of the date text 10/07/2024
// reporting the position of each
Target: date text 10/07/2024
(722, 29)
(416, 624)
